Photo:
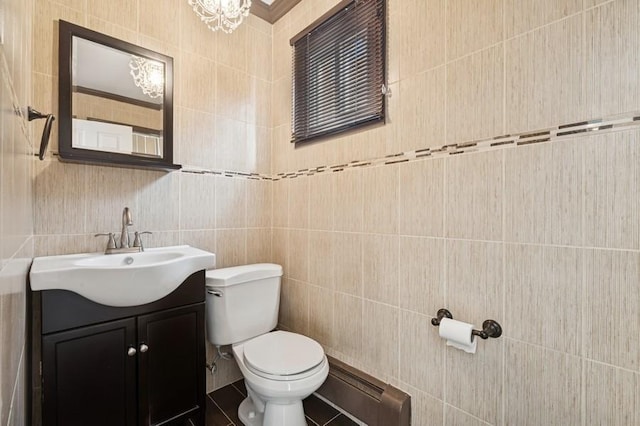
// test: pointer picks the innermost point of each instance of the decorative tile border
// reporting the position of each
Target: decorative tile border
(226, 173)
(554, 134)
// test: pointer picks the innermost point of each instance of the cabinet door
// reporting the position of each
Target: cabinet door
(171, 381)
(88, 376)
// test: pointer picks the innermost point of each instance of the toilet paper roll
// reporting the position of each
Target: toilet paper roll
(458, 334)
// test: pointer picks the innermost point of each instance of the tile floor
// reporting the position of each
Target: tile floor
(222, 408)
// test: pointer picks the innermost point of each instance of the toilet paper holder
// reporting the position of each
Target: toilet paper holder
(490, 328)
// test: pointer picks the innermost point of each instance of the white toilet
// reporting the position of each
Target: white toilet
(280, 369)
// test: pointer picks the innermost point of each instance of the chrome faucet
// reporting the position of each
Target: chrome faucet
(126, 222)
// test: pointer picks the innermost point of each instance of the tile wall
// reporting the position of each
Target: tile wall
(543, 237)
(221, 122)
(16, 203)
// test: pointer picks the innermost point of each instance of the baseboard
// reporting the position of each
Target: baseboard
(365, 397)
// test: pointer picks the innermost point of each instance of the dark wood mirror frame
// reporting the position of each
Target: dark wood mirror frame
(65, 111)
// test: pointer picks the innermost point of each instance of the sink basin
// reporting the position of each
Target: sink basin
(127, 279)
(128, 260)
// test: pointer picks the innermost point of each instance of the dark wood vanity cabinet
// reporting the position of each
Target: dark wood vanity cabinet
(106, 366)
(170, 371)
(88, 378)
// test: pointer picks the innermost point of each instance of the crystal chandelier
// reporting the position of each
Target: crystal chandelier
(147, 75)
(223, 15)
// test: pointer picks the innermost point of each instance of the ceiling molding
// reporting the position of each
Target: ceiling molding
(261, 10)
(271, 13)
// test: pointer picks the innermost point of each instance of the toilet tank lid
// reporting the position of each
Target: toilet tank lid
(225, 277)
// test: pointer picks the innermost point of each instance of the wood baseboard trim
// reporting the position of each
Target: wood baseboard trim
(372, 401)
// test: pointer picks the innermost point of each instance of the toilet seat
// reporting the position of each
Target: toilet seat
(281, 355)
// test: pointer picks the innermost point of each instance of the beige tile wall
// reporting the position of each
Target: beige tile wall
(543, 238)
(16, 203)
(222, 98)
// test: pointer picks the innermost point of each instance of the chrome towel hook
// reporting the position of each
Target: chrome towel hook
(46, 132)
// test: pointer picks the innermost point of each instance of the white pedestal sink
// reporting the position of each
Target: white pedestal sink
(126, 279)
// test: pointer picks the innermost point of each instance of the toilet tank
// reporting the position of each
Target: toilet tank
(242, 302)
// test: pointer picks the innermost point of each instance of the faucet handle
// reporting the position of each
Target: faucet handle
(111, 244)
(137, 241)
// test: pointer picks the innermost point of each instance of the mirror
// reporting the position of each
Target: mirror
(115, 101)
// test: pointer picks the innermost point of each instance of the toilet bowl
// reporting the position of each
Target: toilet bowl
(280, 368)
(276, 387)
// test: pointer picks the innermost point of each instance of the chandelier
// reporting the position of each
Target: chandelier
(223, 15)
(147, 75)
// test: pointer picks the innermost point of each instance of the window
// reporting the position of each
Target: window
(340, 71)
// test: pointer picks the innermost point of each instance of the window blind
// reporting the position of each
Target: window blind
(339, 71)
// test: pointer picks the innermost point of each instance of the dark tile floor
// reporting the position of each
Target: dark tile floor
(222, 408)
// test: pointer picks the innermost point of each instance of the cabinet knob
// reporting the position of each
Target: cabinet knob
(144, 348)
(131, 351)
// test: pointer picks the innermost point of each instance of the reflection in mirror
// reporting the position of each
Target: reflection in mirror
(118, 99)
